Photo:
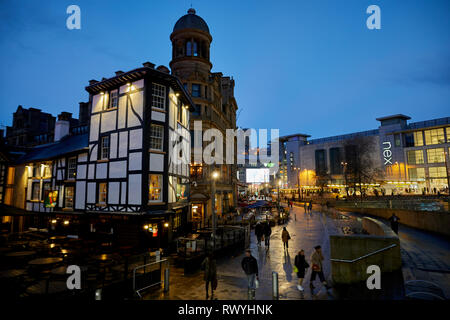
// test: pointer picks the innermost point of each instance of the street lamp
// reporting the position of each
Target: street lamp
(298, 172)
(214, 176)
(344, 164)
(446, 171)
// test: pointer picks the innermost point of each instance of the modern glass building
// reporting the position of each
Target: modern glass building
(398, 157)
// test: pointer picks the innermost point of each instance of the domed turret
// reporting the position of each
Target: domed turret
(191, 41)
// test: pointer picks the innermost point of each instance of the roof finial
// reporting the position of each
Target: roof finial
(191, 11)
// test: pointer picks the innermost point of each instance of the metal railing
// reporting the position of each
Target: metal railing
(365, 256)
(137, 291)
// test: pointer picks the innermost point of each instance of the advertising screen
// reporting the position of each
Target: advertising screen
(257, 175)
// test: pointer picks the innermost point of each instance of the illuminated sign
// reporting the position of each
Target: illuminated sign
(257, 175)
(387, 153)
(50, 198)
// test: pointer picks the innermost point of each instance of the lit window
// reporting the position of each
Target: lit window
(35, 190)
(72, 168)
(104, 148)
(434, 136)
(114, 99)
(102, 193)
(435, 155)
(46, 189)
(47, 171)
(156, 137)
(189, 48)
(415, 157)
(68, 197)
(155, 188)
(418, 139)
(437, 172)
(159, 96)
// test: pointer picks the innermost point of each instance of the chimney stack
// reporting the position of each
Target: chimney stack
(62, 126)
(149, 65)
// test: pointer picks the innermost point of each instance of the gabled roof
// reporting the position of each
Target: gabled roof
(66, 145)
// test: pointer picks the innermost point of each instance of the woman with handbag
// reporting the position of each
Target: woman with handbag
(317, 269)
(300, 266)
(285, 237)
(210, 274)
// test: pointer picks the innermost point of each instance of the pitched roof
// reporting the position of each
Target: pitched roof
(62, 147)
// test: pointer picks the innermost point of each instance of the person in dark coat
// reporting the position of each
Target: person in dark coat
(250, 267)
(267, 232)
(301, 265)
(394, 223)
(285, 237)
(210, 273)
(259, 231)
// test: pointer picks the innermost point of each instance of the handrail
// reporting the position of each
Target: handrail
(365, 256)
(143, 266)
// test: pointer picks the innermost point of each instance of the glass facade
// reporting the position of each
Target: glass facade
(435, 155)
(434, 136)
(335, 161)
(321, 161)
(415, 157)
(416, 174)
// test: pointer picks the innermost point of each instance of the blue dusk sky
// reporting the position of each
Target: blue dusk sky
(300, 66)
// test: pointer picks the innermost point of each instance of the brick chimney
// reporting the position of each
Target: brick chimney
(62, 126)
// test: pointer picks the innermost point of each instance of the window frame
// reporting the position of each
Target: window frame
(113, 100)
(433, 154)
(198, 92)
(100, 192)
(160, 186)
(152, 136)
(38, 197)
(69, 168)
(104, 149)
(66, 197)
(159, 93)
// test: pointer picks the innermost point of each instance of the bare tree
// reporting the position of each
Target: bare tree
(361, 168)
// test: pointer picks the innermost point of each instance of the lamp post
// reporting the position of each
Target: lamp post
(446, 171)
(344, 164)
(214, 176)
(298, 172)
(278, 193)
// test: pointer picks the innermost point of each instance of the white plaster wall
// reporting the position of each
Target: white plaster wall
(108, 121)
(91, 171)
(135, 161)
(134, 189)
(95, 122)
(123, 144)
(122, 112)
(135, 139)
(81, 171)
(113, 146)
(136, 100)
(80, 195)
(113, 192)
(118, 169)
(91, 192)
(94, 153)
(158, 116)
(123, 196)
(82, 157)
(101, 170)
(156, 162)
(97, 103)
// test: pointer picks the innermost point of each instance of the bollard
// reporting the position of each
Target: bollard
(166, 280)
(98, 294)
(275, 293)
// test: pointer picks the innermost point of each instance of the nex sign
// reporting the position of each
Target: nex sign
(387, 153)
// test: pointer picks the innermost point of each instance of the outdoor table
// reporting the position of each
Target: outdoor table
(44, 261)
(20, 254)
(13, 273)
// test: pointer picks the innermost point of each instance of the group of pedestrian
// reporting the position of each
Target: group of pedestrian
(301, 265)
(308, 206)
(263, 232)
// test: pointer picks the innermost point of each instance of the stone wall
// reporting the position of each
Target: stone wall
(351, 247)
(437, 222)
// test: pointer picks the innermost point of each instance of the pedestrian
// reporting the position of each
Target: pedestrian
(210, 274)
(310, 206)
(267, 232)
(305, 206)
(301, 265)
(285, 237)
(394, 223)
(259, 232)
(250, 267)
(317, 268)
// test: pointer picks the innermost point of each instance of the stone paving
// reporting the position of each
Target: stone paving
(306, 232)
(425, 257)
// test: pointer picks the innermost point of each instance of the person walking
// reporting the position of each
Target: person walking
(317, 268)
(250, 267)
(259, 232)
(285, 237)
(210, 274)
(301, 265)
(310, 206)
(394, 223)
(305, 206)
(267, 232)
